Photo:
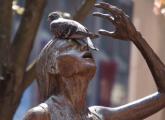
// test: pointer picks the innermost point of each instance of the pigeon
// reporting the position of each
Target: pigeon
(69, 29)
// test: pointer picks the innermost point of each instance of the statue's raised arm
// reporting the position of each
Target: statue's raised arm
(125, 30)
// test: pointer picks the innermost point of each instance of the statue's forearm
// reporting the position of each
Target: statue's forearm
(155, 65)
(142, 108)
(136, 110)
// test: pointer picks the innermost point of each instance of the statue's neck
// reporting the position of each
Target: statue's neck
(75, 89)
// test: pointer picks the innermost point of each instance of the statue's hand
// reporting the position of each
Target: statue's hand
(125, 30)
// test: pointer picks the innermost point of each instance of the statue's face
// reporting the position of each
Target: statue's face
(63, 59)
(75, 59)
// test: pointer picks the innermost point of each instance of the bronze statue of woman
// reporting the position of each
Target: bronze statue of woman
(66, 67)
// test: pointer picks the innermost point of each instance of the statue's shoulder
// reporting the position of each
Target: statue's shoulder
(96, 112)
(39, 112)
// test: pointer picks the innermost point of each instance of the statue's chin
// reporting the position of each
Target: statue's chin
(69, 65)
(88, 69)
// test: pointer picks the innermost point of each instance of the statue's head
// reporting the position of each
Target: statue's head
(61, 60)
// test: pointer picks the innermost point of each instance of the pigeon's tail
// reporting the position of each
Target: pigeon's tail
(87, 34)
(91, 45)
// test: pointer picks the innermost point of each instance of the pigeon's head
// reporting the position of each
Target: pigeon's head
(53, 16)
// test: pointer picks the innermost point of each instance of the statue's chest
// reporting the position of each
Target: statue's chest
(60, 109)
(67, 113)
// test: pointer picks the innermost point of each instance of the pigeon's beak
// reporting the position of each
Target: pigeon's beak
(49, 19)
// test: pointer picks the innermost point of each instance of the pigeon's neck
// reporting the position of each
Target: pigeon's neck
(56, 19)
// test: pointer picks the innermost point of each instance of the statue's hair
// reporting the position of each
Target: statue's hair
(47, 74)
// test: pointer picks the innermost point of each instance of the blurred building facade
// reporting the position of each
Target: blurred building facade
(152, 28)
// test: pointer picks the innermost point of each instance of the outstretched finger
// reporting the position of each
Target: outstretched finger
(106, 16)
(107, 33)
(110, 8)
(103, 5)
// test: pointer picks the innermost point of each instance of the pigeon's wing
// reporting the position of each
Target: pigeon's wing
(70, 29)
(74, 29)
(86, 34)
(62, 29)
(83, 31)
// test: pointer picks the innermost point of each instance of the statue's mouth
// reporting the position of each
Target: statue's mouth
(87, 55)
